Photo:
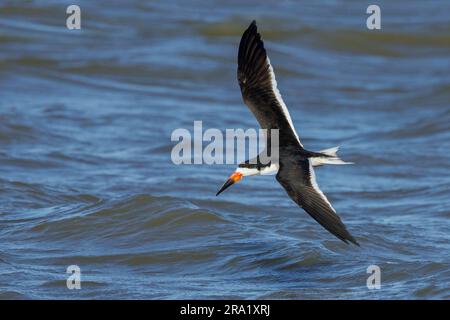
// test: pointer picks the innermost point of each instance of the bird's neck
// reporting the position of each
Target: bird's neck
(260, 170)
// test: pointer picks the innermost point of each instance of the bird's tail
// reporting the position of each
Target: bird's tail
(330, 157)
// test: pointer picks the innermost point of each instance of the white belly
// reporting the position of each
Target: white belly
(272, 169)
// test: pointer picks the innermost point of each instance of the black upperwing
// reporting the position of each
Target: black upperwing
(259, 87)
(297, 177)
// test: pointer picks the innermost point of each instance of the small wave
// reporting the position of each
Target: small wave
(11, 130)
(13, 295)
(421, 128)
(233, 27)
(86, 283)
(386, 43)
(129, 217)
(435, 291)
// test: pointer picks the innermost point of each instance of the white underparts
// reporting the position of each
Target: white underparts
(272, 169)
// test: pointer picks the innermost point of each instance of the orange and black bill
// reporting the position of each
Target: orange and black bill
(235, 177)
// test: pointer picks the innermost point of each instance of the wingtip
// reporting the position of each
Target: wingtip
(353, 240)
(253, 26)
(348, 239)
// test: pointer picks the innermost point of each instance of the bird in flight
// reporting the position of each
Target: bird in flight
(294, 168)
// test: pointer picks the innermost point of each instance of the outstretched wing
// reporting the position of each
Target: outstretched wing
(259, 87)
(298, 178)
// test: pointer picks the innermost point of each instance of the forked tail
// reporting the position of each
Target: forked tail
(331, 157)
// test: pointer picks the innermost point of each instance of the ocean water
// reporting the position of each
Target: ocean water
(86, 176)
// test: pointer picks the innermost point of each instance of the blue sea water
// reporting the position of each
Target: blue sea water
(86, 176)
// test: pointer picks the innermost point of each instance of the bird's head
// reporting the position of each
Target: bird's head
(237, 175)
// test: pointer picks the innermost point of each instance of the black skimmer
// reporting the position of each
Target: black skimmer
(294, 170)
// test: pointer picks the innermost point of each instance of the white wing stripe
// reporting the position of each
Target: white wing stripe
(280, 99)
(312, 174)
